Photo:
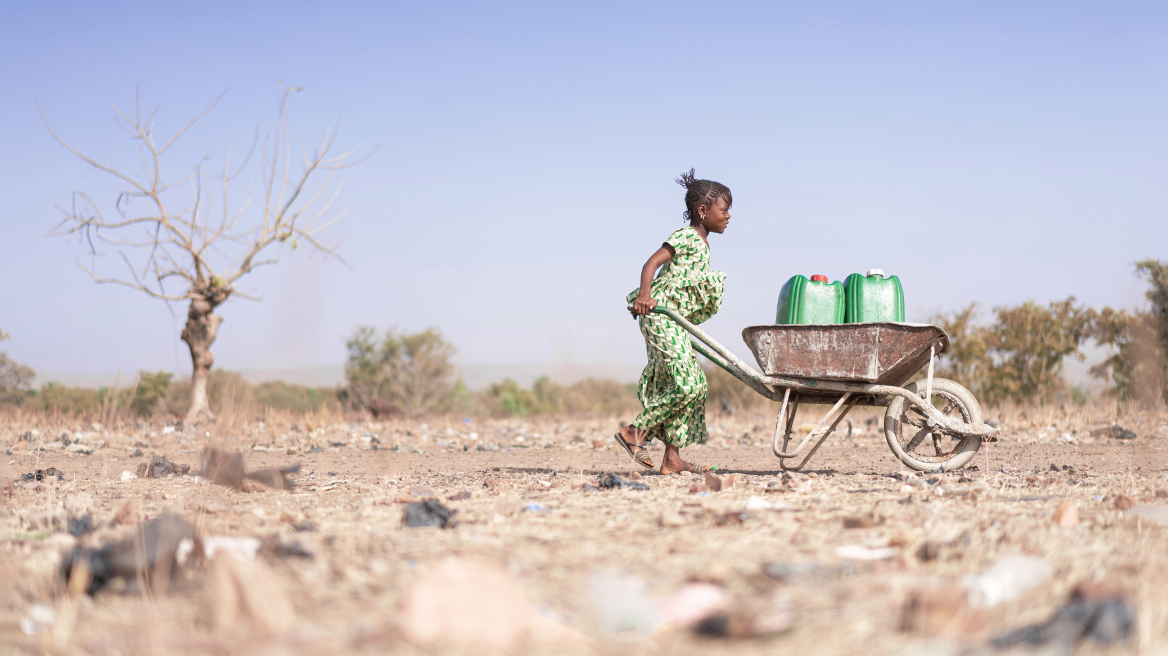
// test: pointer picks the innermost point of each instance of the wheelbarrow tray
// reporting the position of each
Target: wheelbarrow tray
(883, 353)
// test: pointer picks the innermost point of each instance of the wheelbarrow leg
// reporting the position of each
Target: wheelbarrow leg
(784, 455)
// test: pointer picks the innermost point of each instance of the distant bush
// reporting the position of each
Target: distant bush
(296, 398)
(150, 393)
(413, 371)
(590, 396)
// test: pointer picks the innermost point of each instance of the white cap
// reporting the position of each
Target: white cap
(874, 272)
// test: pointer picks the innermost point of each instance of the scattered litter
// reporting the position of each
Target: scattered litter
(1010, 577)
(223, 468)
(240, 547)
(428, 513)
(159, 549)
(613, 480)
(128, 476)
(160, 467)
(1102, 615)
(860, 552)
(44, 475)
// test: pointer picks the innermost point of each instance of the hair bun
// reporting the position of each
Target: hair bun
(687, 180)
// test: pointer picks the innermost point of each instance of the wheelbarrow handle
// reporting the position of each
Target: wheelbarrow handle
(717, 353)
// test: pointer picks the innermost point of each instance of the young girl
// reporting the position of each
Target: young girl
(673, 386)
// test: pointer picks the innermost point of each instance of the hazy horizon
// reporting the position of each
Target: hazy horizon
(994, 153)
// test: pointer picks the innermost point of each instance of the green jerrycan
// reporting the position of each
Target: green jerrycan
(813, 301)
(872, 297)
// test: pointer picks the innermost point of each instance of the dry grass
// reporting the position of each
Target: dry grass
(349, 596)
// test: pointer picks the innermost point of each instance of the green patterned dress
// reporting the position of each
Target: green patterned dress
(673, 386)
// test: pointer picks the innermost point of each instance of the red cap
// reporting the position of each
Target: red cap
(818, 278)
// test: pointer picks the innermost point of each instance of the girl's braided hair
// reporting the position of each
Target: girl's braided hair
(701, 192)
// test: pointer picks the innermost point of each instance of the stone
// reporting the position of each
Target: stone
(671, 518)
(245, 592)
(444, 606)
(717, 483)
(1067, 514)
(1148, 515)
(1124, 502)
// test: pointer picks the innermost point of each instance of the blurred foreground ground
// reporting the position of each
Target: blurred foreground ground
(844, 560)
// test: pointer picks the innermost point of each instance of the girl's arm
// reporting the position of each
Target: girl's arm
(645, 303)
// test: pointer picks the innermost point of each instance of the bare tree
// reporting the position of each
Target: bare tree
(181, 239)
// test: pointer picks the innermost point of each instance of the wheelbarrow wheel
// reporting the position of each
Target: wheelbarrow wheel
(927, 449)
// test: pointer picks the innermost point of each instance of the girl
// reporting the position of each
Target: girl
(673, 386)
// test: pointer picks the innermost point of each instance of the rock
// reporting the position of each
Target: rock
(248, 593)
(160, 467)
(1007, 579)
(427, 513)
(126, 513)
(613, 480)
(695, 602)
(717, 483)
(859, 522)
(671, 518)
(79, 526)
(598, 443)
(1067, 514)
(697, 488)
(1124, 502)
(758, 503)
(80, 449)
(939, 611)
(402, 497)
(459, 496)
(445, 607)
(1148, 514)
(1106, 617)
(804, 571)
(1115, 431)
(422, 492)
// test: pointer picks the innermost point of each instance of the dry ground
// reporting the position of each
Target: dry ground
(597, 562)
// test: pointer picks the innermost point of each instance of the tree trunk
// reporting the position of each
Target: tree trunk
(199, 333)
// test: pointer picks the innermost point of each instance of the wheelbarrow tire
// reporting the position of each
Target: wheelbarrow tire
(898, 432)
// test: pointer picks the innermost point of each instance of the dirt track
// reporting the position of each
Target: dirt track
(601, 562)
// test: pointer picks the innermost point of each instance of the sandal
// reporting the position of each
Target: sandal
(637, 452)
(699, 469)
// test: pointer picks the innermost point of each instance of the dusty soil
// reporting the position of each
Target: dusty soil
(600, 563)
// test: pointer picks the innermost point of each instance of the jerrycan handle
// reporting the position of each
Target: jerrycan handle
(874, 272)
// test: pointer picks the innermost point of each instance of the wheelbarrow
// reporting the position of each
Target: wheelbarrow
(931, 425)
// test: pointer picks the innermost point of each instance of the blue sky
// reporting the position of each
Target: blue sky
(991, 152)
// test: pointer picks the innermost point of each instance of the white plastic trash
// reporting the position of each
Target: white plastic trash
(1011, 577)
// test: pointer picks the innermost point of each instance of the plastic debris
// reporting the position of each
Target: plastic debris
(1010, 577)
(159, 549)
(428, 513)
(613, 480)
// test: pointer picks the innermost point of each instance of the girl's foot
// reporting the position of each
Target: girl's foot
(672, 463)
(635, 449)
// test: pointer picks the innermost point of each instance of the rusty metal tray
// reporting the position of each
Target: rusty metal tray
(883, 353)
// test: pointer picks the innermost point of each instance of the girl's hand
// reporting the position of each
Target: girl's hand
(644, 304)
